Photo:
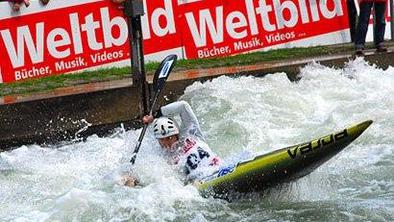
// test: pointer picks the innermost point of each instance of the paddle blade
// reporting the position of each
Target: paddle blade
(163, 72)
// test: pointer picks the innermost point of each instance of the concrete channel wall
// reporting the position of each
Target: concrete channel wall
(97, 108)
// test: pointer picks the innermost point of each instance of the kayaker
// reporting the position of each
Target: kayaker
(184, 145)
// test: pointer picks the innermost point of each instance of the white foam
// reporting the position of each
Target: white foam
(239, 116)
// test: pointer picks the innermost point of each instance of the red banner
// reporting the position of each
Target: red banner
(225, 27)
(160, 26)
(41, 44)
(75, 38)
(94, 34)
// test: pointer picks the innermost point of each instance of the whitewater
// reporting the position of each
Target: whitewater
(78, 181)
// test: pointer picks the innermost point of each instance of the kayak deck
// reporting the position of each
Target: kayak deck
(280, 166)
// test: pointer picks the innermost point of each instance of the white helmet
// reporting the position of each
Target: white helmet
(164, 127)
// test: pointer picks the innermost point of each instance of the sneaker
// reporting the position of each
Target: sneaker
(359, 52)
(381, 48)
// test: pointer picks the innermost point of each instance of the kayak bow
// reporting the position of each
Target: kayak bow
(280, 166)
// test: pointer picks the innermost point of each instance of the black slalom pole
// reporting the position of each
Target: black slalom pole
(134, 9)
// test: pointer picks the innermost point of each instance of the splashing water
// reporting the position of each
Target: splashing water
(78, 182)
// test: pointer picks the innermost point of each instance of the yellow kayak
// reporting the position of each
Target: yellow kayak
(279, 166)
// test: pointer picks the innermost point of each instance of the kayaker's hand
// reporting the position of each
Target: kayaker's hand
(129, 181)
(148, 119)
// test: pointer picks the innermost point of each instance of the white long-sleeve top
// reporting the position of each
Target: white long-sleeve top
(193, 152)
(189, 124)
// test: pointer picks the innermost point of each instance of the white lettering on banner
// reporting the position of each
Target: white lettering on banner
(145, 23)
(280, 37)
(58, 38)
(279, 13)
(263, 9)
(314, 10)
(183, 2)
(235, 25)
(215, 51)
(248, 44)
(338, 11)
(53, 44)
(167, 12)
(304, 12)
(32, 72)
(17, 54)
(237, 20)
(108, 24)
(252, 17)
(75, 63)
(76, 33)
(199, 34)
(105, 56)
(90, 27)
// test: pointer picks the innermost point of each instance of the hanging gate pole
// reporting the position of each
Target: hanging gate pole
(134, 9)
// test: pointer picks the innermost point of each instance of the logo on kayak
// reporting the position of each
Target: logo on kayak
(315, 144)
(226, 170)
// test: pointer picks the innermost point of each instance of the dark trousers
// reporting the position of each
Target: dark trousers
(363, 22)
(352, 18)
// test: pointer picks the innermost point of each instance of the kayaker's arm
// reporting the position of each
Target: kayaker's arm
(189, 119)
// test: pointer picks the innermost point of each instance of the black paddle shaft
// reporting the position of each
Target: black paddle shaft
(159, 81)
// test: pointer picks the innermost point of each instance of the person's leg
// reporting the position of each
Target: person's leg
(380, 26)
(352, 18)
(362, 26)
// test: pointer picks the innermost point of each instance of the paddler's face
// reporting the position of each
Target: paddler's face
(168, 143)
